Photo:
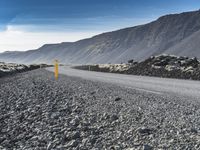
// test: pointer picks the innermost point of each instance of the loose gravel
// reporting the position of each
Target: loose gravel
(37, 112)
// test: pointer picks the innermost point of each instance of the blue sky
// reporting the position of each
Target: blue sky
(35, 22)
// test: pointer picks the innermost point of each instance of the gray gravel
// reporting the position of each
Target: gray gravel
(37, 112)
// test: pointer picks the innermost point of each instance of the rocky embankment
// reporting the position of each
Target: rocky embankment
(160, 66)
(113, 68)
(11, 68)
(37, 112)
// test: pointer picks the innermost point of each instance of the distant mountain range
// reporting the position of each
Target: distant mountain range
(177, 34)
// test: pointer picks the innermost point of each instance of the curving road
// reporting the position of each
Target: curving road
(155, 85)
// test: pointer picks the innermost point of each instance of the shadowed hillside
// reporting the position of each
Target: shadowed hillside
(173, 34)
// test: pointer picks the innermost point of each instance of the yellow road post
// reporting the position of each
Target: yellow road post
(56, 69)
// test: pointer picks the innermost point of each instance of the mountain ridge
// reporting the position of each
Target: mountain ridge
(167, 34)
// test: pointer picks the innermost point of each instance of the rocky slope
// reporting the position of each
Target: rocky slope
(173, 34)
(169, 66)
(113, 68)
(37, 112)
(11, 68)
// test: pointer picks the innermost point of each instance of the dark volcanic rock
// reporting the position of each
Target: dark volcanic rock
(145, 131)
(117, 99)
(168, 66)
(12, 68)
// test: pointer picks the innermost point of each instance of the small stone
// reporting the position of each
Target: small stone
(117, 99)
(55, 115)
(115, 147)
(49, 146)
(73, 143)
(75, 121)
(193, 130)
(114, 117)
(92, 93)
(145, 130)
(75, 135)
(147, 147)
(92, 140)
(171, 141)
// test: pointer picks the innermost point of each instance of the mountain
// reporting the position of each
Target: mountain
(172, 34)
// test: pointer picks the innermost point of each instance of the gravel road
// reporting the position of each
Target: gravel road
(37, 112)
(177, 87)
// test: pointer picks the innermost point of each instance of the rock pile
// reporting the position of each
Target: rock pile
(168, 66)
(160, 66)
(113, 68)
(11, 68)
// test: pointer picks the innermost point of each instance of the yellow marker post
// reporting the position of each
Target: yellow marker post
(56, 69)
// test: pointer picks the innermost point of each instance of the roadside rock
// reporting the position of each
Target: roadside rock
(147, 147)
(145, 131)
(117, 99)
(164, 65)
(12, 68)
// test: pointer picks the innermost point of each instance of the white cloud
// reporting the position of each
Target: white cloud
(15, 38)
(27, 37)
